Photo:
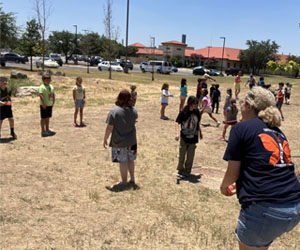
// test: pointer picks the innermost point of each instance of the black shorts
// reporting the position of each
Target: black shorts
(287, 95)
(279, 105)
(5, 112)
(46, 113)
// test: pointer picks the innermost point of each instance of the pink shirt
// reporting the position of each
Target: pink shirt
(205, 98)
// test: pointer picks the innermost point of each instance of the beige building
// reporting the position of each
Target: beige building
(173, 49)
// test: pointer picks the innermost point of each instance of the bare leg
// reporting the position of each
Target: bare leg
(211, 116)
(75, 114)
(224, 130)
(182, 101)
(244, 247)
(11, 122)
(43, 124)
(130, 165)
(123, 172)
(47, 123)
(162, 111)
(81, 115)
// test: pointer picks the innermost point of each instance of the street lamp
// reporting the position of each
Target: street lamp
(126, 51)
(208, 53)
(75, 25)
(222, 37)
(153, 51)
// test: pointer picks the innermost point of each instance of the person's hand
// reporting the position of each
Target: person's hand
(177, 137)
(83, 101)
(201, 136)
(44, 106)
(228, 191)
(105, 143)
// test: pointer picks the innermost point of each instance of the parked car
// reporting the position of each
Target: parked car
(95, 60)
(57, 58)
(14, 57)
(174, 69)
(142, 65)
(129, 64)
(214, 72)
(162, 67)
(48, 63)
(200, 70)
(232, 72)
(105, 65)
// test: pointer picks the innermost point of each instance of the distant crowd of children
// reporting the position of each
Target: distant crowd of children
(121, 120)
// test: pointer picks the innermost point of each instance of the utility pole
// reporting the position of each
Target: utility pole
(222, 37)
(153, 52)
(126, 51)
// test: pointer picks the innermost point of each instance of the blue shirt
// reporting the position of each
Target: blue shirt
(267, 172)
(183, 90)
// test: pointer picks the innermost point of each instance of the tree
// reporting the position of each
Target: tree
(291, 67)
(8, 30)
(29, 44)
(42, 10)
(110, 33)
(62, 42)
(258, 54)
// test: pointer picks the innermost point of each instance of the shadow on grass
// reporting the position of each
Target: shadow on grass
(193, 178)
(7, 140)
(119, 187)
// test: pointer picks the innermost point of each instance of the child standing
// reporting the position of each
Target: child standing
(206, 107)
(47, 100)
(216, 97)
(287, 92)
(79, 100)
(183, 93)
(121, 126)
(227, 102)
(251, 81)
(211, 90)
(231, 117)
(164, 100)
(189, 120)
(133, 94)
(237, 84)
(5, 107)
(280, 98)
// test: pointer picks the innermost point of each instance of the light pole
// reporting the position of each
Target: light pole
(75, 61)
(208, 54)
(153, 51)
(126, 51)
(222, 37)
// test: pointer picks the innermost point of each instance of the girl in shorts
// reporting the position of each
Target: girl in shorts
(121, 126)
(231, 117)
(206, 106)
(164, 100)
(183, 93)
(79, 100)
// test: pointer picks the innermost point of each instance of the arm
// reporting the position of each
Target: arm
(84, 95)
(177, 131)
(74, 95)
(53, 98)
(231, 176)
(43, 101)
(108, 131)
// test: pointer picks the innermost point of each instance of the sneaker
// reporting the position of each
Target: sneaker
(218, 124)
(45, 134)
(133, 185)
(221, 138)
(164, 118)
(51, 132)
(14, 136)
(75, 124)
(82, 125)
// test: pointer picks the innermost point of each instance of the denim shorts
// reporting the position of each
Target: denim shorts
(262, 222)
(79, 103)
(122, 155)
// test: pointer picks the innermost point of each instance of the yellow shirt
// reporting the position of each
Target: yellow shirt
(79, 92)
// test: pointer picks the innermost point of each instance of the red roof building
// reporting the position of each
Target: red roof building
(174, 43)
(138, 45)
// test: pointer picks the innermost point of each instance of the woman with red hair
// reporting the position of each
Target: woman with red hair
(121, 126)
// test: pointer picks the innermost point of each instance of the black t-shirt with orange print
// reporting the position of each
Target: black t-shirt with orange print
(267, 172)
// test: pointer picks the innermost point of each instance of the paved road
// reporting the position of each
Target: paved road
(82, 66)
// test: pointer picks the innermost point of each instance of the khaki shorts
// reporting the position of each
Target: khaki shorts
(237, 85)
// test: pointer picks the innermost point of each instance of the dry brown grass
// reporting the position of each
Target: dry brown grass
(53, 192)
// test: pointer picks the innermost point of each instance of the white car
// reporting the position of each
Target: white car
(48, 63)
(114, 66)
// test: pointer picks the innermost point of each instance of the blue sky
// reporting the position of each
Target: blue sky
(203, 21)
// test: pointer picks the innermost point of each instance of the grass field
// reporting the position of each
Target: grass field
(53, 193)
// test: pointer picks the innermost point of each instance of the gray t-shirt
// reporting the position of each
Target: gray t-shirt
(232, 115)
(124, 133)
